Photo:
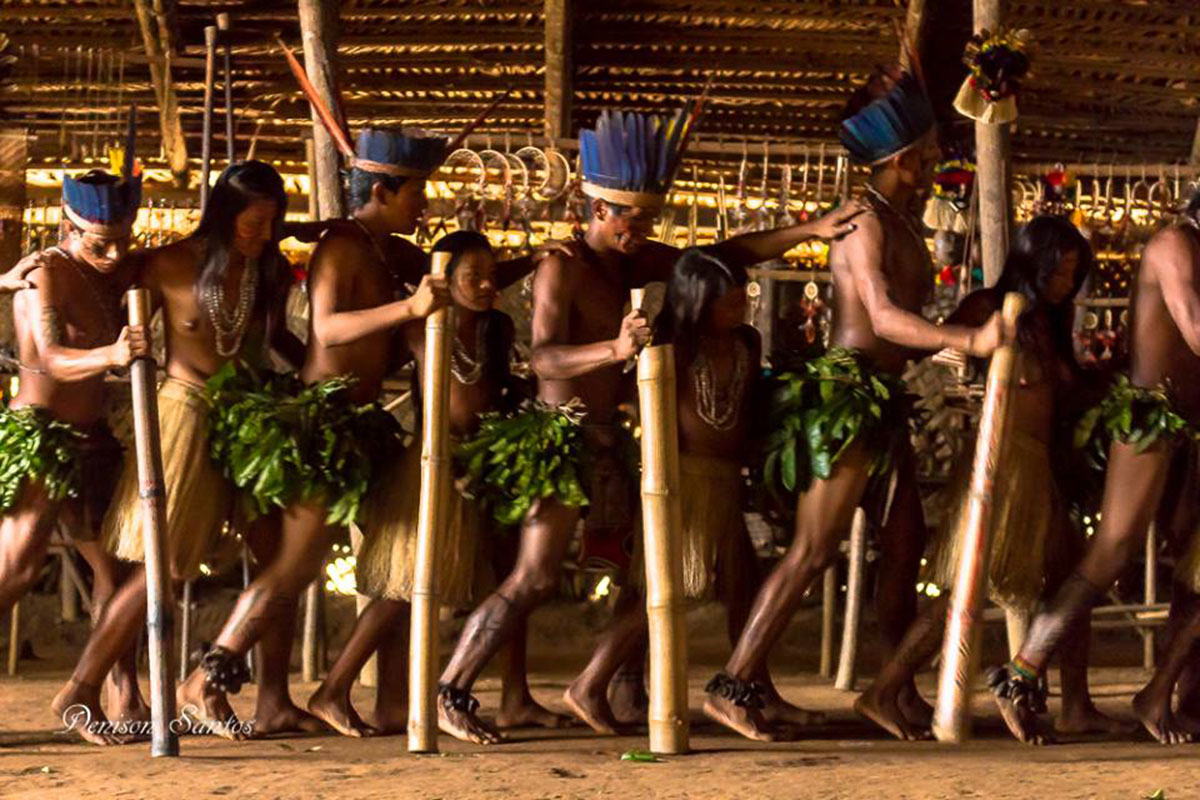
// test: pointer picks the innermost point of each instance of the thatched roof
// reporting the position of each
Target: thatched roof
(1114, 80)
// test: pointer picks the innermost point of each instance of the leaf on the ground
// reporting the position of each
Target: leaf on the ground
(314, 749)
(1158, 794)
(640, 756)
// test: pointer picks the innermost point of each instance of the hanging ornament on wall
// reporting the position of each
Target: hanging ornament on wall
(998, 64)
(946, 209)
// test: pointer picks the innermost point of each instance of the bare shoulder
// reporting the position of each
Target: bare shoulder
(1168, 247)
(869, 233)
(558, 270)
(43, 268)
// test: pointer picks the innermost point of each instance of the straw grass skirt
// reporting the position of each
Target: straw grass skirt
(199, 500)
(387, 558)
(1032, 529)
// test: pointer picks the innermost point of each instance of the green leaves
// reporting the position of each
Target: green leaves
(36, 446)
(282, 442)
(516, 459)
(818, 411)
(1132, 415)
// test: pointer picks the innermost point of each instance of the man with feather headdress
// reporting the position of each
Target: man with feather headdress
(581, 341)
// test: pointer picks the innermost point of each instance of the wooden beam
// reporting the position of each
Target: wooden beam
(993, 168)
(318, 26)
(559, 67)
(174, 145)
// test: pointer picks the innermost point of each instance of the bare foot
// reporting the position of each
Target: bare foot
(914, 708)
(338, 713)
(390, 722)
(746, 720)
(289, 718)
(529, 713)
(628, 699)
(1016, 699)
(208, 707)
(885, 712)
(456, 716)
(1090, 720)
(777, 711)
(1154, 712)
(78, 705)
(593, 709)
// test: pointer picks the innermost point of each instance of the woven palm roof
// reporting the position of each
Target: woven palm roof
(1114, 80)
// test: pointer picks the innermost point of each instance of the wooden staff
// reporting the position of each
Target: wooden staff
(227, 70)
(960, 649)
(210, 78)
(662, 524)
(848, 656)
(163, 741)
(435, 496)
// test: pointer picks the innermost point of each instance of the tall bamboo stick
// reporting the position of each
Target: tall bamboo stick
(14, 638)
(163, 740)
(662, 525)
(435, 495)
(227, 70)
(828, 612)
(960, 651)
(210, 78)
(848, 656)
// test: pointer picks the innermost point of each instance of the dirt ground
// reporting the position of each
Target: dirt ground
(844, 759)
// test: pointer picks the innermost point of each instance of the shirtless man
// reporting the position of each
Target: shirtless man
(219, 291)
(882, 277)
(1164, 351)
(69, 335)
(581, 343)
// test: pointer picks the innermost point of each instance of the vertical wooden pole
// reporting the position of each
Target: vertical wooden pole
(164, 741)
(185, 632)
(67, 592)
(210, 79)
(828, 614)
(558, 68)
(159, 55)
(310, 666)
(227, 74)
(993, 169)
(848, 657)
(1151, 594)
(435, 496)
(14, 638)
(318, 26)
(662, 524)
(960, 651)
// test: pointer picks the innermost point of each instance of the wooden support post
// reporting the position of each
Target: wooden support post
(318, 26)
(185, 632)
(227, 81)
(432, 519)
(142, 374)
(14, 638)
(67, 592)
(210, 80)
(960, 650)
(559, 68)
(1151, 594)
(310, 666)
(158, 55)
(993, 167)
(914, 33)
(828, 613)
(662, 523)
(848, 657)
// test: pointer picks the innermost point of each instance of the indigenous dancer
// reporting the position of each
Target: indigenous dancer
(1147, 418)
(716, 358)
(220, 292)
(334, 435)
(57, 454)
(481, 384)
(882, 276)
(1035, 538)
(580, 344)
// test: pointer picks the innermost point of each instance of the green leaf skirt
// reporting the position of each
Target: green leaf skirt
(36, 446)
(282, 442)
(1132, 415)
(519, 458)
(818, 412)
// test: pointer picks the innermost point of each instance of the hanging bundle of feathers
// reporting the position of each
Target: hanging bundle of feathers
(998, 64)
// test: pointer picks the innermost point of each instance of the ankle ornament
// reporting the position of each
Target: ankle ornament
(744, 694)
(225, 670)
(454, 699)
(1018, 684)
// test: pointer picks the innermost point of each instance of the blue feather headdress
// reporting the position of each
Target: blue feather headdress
(397, 153)
(630, 159)
(102, 203)
(890, 125)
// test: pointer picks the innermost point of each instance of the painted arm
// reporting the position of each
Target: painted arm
(553, 359)
(1174, 259)
(70, 364)
(331, 282)
(863, 251)
(755, 248)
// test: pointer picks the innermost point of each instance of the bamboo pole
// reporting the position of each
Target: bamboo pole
(952, 717)
(210, 79)
(828, 612)
(310, 666)
(68, 592)
(993, 168)
(185, 631)
(142, 373)
(662, 525)
(318, 26)
(848, 657)
(227, 70)
(1151, 594)
(14, 638)
(435, 496)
